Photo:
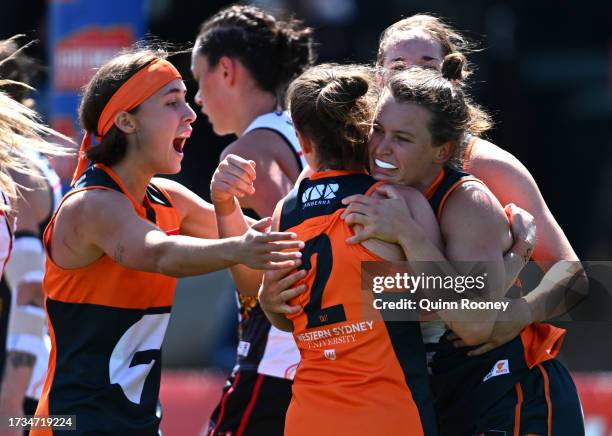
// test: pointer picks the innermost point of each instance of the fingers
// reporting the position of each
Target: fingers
(217, 186)
(278, 236)
(356, 218)
(278, 275)
(285, 245)
(263, 224)
(287, 282)
(293, 292)
(356, 198)
(389, 191)
(286, 309)
(279, 265)
(358, 208)
(358, 238)
(241, 165)
(244, 186)
(274, 256)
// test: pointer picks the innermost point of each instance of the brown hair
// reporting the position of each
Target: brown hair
(449, 39)
(274, 51)
(107, 80)
(332, 105)
(451, 109)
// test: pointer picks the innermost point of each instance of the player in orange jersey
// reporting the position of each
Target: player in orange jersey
(329, 106)
(518, 387)
(425, 40)
(119, 240)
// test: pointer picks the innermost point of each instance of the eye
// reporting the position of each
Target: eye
(404, 139)
(377, 128)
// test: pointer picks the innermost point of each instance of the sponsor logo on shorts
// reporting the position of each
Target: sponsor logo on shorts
(500, 368)
(243, 348)
(330, 354)
(319, 195)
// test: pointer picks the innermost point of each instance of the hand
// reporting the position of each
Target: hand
(523, 229)
(276, 290)
(259, 249)
(233, 178)
(508, 326)
(383, 216)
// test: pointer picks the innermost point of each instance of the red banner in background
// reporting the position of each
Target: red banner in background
(77, 56)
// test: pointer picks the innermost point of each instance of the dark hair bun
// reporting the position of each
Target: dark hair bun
(453, 66)
(339, 96)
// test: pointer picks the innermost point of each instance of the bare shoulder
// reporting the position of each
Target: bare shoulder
(94, 205)
(255, 144)
(489, 159)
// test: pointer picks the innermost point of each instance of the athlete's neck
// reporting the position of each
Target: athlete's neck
(134, 178)
(256, 103)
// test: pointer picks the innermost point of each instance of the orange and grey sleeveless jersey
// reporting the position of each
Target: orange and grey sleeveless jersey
(107, 324)
(479, 381)
(359, 375)
(262, 347)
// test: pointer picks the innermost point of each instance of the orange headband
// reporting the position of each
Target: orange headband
(132, 93)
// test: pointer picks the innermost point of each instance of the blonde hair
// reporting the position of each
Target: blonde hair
(21, 130)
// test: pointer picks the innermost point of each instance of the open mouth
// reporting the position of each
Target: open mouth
(178, 144)
(384, 165)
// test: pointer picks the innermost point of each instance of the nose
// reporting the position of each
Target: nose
(198, 98)
(190, 115)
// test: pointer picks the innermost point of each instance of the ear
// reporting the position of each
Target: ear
(228, 69)
(125, 122)
(444, 152)
(305, 143)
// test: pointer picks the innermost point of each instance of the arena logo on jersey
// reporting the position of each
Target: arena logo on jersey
(330, 354)
(500, 368)
(319, 195)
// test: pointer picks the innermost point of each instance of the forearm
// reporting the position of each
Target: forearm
(562, 287)
(513, 265)
(17, 375)
(181, 256)
(232, 222)
(426, 259)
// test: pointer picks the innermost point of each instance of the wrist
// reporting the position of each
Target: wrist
(233, 246)
(523, 249)
(527, 315)
(225, 207)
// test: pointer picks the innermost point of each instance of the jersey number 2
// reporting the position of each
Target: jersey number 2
(320, 316)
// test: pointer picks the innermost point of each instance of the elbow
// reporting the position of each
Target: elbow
(165, 262)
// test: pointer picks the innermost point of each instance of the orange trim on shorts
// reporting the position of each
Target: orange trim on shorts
(517, 410)
(547, 395)
(429, 192)
(450, 191)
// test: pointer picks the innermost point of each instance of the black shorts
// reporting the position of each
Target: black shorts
(252, 405)
(545, 402)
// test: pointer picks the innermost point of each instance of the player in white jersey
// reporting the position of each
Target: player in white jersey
(243, 60)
